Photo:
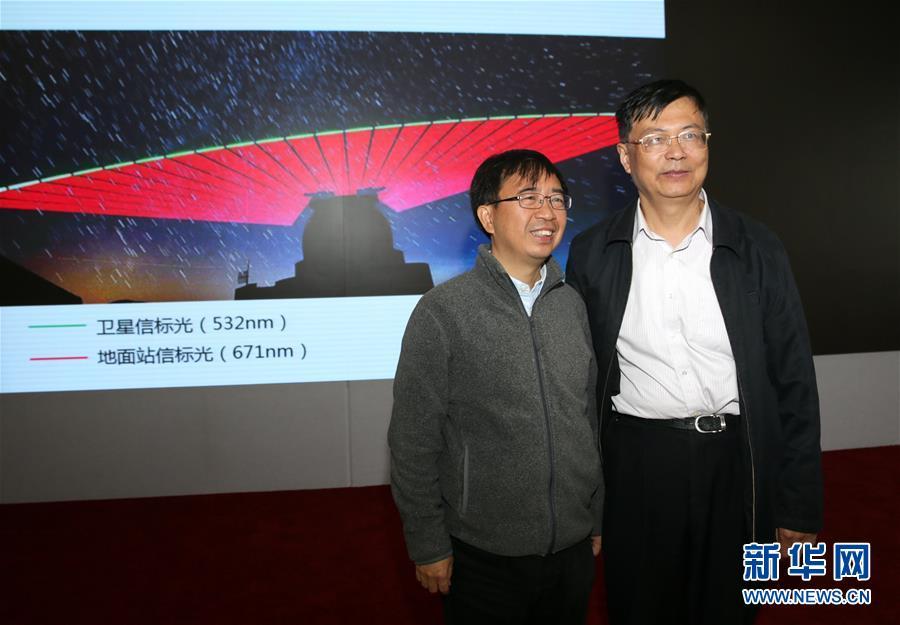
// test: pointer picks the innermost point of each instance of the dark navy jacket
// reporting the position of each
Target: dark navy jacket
(767, 330)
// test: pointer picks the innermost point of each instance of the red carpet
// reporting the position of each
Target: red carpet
(330, 557)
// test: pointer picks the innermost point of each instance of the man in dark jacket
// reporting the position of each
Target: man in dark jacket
(495, 463)
(707, 393)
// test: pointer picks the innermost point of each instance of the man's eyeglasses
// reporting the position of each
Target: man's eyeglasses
(533, 201)
(689, 140)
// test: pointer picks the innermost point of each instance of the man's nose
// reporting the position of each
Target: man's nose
(545, 211)
(674, 149)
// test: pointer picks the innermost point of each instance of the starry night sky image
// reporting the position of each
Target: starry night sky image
(78, 100)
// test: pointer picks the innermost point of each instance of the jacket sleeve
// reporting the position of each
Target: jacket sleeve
(798, 505)
(594, 417)
(576, 281)
(415, 436)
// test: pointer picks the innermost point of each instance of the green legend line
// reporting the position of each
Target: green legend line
(60, 325)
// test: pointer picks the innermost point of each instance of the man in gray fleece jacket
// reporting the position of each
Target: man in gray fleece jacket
(495, 465)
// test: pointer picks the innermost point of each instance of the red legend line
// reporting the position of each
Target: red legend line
(59, 358)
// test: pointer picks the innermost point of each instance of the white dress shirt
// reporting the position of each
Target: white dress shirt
(530, 293)
(673, 348)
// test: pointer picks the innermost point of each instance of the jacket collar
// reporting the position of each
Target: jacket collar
(622, 227)
(726, 226)
(488, 261)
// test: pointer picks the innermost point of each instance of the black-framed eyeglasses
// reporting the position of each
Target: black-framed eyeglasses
(534, 200)
(688, 140)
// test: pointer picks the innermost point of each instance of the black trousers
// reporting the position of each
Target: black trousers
(486, 588)
(673, 528)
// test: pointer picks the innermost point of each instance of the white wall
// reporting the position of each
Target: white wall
(142, 443)
(859, 396)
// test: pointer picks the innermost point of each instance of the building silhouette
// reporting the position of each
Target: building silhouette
(348, 251)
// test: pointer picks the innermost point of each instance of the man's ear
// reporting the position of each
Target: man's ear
(624, 157)
(486, 217)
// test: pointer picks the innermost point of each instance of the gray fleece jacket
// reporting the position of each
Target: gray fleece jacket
(493, 434)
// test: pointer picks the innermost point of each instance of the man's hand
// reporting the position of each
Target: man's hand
(436, 576)
(788, 537)
(595, 545)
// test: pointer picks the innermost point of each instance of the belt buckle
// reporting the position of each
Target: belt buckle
(716, 421)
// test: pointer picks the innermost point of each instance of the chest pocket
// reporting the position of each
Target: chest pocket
(565, 356)
(494, 349)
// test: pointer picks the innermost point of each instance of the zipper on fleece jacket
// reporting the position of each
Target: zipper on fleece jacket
(537, 361)
(541, 387)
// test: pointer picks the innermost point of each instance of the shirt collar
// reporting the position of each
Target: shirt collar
(704, 224)
(522, 287)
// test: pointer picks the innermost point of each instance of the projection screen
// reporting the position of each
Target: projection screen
(202, 194)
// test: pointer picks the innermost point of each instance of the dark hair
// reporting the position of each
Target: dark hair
(649, 101)
(496, 169)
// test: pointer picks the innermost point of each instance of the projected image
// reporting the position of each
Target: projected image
(157, 167)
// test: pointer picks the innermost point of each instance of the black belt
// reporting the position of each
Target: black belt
(704, 423)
